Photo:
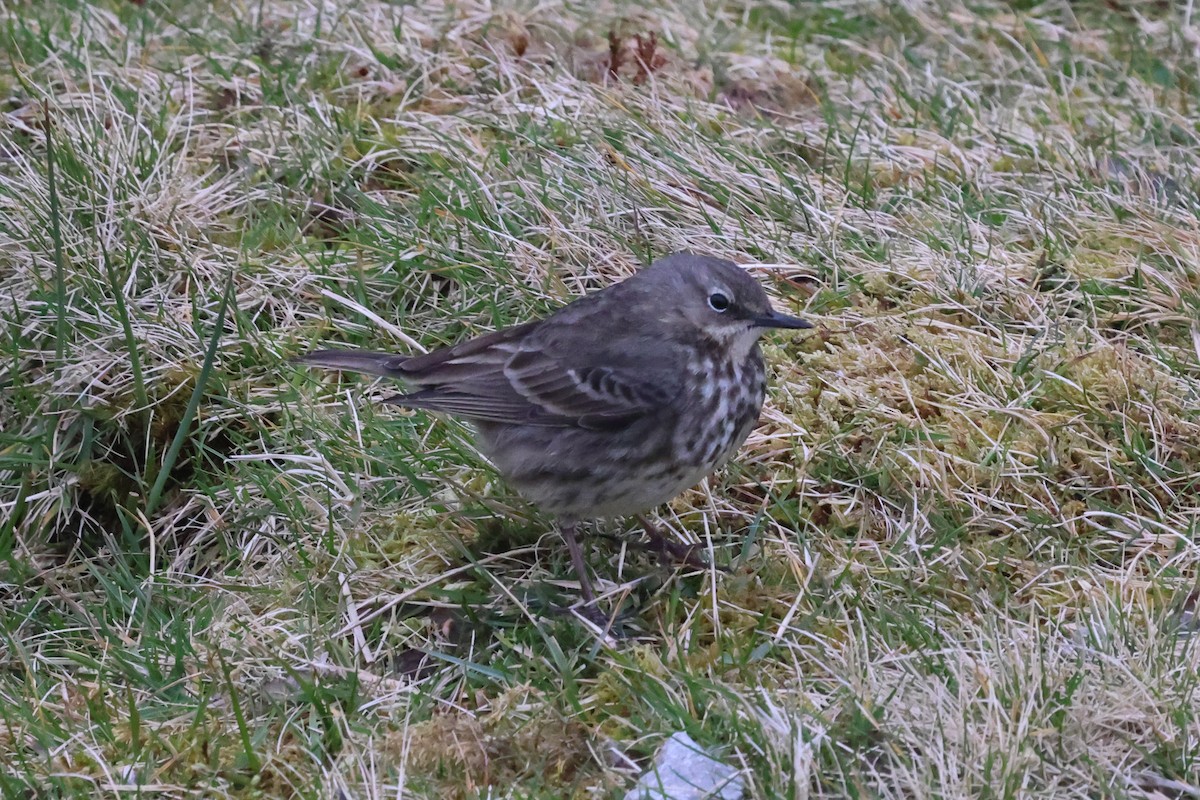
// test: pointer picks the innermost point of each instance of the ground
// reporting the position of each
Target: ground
(960, 550)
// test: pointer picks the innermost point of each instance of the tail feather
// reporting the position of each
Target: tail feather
(389, 365)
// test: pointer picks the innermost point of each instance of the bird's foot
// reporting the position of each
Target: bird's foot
(614, 624)
(669, 551)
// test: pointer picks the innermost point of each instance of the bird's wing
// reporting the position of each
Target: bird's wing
(572, 369)
(517, 376)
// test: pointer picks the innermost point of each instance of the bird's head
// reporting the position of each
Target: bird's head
(714, 298)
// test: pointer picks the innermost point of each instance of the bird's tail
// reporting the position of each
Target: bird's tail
(389, 365)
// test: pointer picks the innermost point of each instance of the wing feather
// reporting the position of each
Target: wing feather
(535, 374)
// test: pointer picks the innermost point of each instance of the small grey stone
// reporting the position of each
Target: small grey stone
(684, 771)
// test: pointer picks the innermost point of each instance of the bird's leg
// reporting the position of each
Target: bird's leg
(585, 585)
(670, 550)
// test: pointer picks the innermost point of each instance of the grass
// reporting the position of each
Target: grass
(962, 542)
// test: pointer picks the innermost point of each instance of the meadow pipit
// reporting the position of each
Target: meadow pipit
(613, 404)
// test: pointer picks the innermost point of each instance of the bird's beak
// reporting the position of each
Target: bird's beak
(777, 320)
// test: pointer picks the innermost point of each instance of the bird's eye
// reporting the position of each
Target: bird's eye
(718, 302)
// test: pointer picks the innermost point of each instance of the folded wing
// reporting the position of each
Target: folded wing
(517, 377)
(520, 381)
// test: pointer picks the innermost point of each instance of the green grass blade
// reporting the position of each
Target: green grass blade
(185, 422)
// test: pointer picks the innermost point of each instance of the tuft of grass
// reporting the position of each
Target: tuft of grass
(961, 545)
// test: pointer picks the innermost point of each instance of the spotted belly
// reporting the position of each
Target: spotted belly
(588, 474)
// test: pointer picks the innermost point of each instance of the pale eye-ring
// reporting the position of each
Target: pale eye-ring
(718, 302)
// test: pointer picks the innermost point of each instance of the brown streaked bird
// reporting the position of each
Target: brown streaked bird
(613, 404)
